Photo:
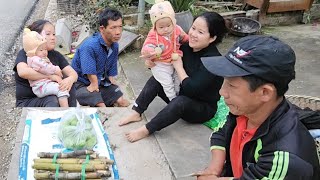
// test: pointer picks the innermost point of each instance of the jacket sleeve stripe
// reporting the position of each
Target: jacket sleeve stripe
(279, 165)
(285, 165)
(258, 148)
(217, 147)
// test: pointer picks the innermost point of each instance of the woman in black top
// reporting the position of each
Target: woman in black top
(24, 95)
(199, 92)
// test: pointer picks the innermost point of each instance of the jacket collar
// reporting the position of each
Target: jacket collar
(276, 115)
(207, 51)
(101, 40)
(210, 50)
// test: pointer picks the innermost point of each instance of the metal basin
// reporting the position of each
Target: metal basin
(243, 26)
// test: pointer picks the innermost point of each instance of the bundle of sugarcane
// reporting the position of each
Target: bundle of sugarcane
(79, 164)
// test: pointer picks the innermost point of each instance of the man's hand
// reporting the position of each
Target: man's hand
(112, 80)
(213, 171)
(206, 174)
(55, 78)
(93, 87)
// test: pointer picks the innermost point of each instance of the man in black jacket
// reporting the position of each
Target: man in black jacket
(262, 138)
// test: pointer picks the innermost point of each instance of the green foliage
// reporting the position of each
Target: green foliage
(178, 5)
(182, 5)
(93, 8)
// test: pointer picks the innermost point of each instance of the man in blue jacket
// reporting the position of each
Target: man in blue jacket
(262, 138)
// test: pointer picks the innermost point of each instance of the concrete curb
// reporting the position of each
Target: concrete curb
(14, 164)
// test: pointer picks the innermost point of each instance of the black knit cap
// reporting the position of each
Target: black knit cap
(264, 56)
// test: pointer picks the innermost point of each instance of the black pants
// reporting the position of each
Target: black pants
(190, 110)
(48, 101)
(108, 95)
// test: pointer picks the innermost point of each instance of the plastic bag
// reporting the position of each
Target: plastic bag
(219, 118)
(76, 131)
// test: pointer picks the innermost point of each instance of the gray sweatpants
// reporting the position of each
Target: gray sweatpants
(166, 75)
(45, 88)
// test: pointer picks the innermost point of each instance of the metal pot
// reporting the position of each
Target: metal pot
(185, 20)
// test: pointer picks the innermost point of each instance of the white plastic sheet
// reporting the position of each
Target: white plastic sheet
(41, 135)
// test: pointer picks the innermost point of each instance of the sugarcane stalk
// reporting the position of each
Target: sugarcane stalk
(86, 179)
(69, 167)
(67, 176)
(72, 161)
(67, 155)
(105, 159)
(102, 158)
(92, 156)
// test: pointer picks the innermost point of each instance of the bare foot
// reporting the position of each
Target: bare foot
(133, 117)
(137, 134)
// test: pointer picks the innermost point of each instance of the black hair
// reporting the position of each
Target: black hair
(255, 82)
(109, 14)
(216, 25)
(38, 25)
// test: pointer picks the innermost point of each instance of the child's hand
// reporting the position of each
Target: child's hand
(145, 55)
(93, 87)
(149, 63)
(55, 78)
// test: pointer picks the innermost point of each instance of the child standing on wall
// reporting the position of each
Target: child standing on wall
(36, 49)
(165, 39)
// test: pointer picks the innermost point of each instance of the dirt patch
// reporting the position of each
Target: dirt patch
(9, 119)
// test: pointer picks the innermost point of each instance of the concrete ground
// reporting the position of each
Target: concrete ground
(305, 40)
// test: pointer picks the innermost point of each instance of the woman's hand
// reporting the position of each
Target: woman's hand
(177, 64)
(66, 84)
(55, 78)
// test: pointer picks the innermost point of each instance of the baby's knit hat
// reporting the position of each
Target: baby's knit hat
(31, 41)
(162, 9)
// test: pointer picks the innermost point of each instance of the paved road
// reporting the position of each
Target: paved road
(13, 15)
